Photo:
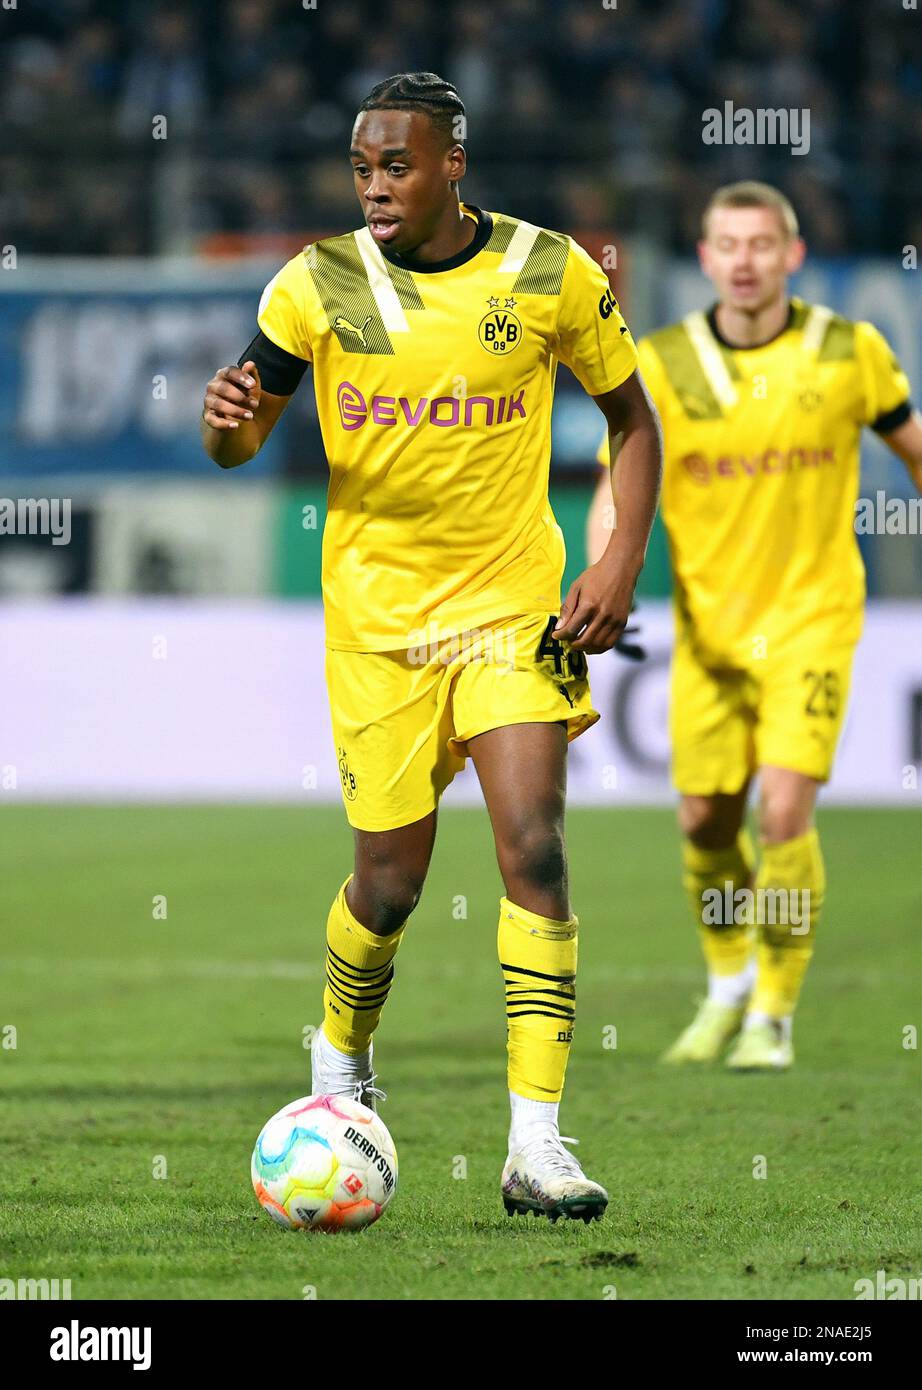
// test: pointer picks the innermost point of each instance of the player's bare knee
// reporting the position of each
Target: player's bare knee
(781, 820)
(535, 858)
(710, 822)
(385, 897)
(390, 911)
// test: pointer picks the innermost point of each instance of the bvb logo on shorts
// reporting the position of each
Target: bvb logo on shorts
(350, 786)
(500, 331)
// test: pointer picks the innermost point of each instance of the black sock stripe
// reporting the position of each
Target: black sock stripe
(359, 969)
(541, 995)
(348, 979)
(360, 982)
(538, 974)
(541, 1003)
(353, 1001)
(529, 989)
(351, 996)
(539, 1013)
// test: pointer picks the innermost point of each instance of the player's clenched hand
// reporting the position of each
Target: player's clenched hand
(231, 395)
(596, 610)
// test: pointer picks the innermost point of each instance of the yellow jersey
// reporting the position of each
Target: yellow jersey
(434, 387)
(761, 474)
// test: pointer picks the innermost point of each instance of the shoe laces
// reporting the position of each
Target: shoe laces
(365, 1086)
(548, 1150)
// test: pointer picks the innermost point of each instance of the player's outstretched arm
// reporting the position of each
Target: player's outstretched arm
(238, 415)
(597, 607)
(906, 443)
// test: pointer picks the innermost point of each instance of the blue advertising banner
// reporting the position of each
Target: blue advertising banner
(108, 363)
(106, 366)
(108, 360)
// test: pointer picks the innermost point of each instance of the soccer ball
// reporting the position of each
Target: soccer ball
(324, 1163)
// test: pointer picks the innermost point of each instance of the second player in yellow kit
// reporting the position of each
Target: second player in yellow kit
(760, 481)
(763, 400)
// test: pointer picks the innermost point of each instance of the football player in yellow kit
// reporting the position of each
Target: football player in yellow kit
(763, 400)
(434, 333)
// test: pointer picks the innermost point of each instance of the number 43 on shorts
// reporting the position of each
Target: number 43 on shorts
(550, 648)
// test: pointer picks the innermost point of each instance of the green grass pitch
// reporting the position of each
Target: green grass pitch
(142, 1038)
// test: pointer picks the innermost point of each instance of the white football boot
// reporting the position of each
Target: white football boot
(331, 1076)
(762, 1046)
(543, 1178)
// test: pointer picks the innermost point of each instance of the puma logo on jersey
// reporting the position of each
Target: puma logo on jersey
(360, 332)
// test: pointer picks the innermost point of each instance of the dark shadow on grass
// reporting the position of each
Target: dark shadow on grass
(265, 1092)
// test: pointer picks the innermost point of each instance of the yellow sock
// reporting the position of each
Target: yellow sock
(360, 967)
(785, 946)
(538, 959)
(727, 944)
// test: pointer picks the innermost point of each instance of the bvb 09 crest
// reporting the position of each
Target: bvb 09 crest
(347, 777)
(500, 331)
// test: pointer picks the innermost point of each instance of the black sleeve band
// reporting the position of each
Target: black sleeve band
(893, 418)
(280, 372)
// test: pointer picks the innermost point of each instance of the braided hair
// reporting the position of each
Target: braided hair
(421, 91)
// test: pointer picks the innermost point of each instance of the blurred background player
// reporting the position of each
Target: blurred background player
(763, 399)
(442, 571)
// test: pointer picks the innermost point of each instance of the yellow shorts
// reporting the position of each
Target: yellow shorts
(402, 720)
(784, 712)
